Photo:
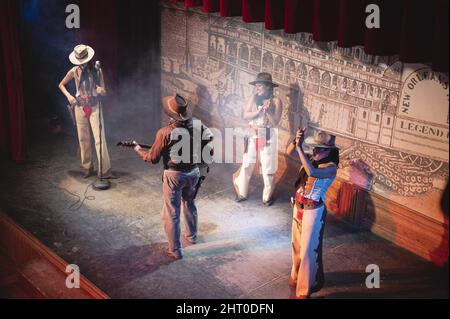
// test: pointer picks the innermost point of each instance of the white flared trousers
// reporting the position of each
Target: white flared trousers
(268, 156)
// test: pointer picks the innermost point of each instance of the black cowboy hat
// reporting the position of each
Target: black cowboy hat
(265, 78)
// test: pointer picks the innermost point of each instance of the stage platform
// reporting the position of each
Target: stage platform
(116, 237)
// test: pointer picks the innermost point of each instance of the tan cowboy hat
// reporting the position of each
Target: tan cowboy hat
(176, 107)
(81, 54)
(321, 139)
(265, 78)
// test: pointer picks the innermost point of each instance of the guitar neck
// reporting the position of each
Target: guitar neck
(132, 144)
(145, 145)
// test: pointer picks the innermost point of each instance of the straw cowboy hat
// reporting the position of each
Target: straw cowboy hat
(321, 139)
(81, 54)
(176, 107)
(265, 78)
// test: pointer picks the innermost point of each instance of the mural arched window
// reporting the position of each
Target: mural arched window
(232, 52)
(362, 91)
(221, 48)
(267, 62)
(243, 55)
(344, 83)
(314, 80)
(326, 79)
(394, 99)
(289, 74)
(389, 102)
(379, 92)
(354, 87)
(314, 76)
(334, 81)
(278, 68)
(325, 83)
(302, 71)
(255, 59)
(212, 45)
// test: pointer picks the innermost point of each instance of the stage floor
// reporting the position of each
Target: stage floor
(116, 236)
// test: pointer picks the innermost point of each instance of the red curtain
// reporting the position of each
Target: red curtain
(417, 30)
(12, 116)
(252, 11)
(274, 14)
(298, 15)
(211, 5)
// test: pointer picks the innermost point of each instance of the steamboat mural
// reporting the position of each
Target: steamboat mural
(393, 138)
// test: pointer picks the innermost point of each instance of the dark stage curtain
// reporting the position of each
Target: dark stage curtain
(100, 30)
(12, 118)
(417, 30)
(34, 49)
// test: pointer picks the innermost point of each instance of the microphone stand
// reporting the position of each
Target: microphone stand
(100, 183)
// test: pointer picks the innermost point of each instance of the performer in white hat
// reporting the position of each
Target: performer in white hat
(263, 111)
(90, 85)
(316, 175)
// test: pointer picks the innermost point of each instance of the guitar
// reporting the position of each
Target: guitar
(132, 144)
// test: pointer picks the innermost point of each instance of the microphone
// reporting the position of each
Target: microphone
(97, 65)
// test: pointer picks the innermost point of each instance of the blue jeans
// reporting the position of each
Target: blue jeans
(178, 191)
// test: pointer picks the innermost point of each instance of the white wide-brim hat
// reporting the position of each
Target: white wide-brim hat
(321, 139)
(81, 54)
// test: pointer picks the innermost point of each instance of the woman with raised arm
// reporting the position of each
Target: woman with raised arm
(263, 111)
(316, 174)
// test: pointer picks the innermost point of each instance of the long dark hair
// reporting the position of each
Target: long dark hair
(85, 79)
(332, 157)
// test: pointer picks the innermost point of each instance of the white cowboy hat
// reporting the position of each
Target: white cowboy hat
(321, 139)
(81, 54)
(176, 107)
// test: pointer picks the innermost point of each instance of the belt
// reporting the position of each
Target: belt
(87, 101)
(176, 169)
(303, 203)
(306, 203)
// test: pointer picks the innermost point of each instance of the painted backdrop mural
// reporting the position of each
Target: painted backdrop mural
(391, 119)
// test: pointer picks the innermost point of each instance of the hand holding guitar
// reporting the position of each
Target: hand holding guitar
(135, 145)
(137, 148)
